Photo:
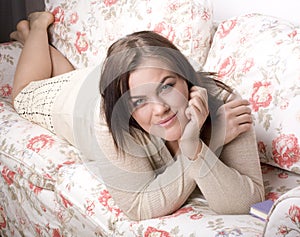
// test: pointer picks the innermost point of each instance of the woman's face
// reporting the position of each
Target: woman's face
(159, 99)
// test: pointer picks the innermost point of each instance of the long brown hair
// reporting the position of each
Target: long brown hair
(126, 55)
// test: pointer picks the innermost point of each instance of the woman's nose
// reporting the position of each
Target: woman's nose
(160, 107)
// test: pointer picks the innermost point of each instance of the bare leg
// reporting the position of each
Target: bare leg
(38, 60)
(60, 64)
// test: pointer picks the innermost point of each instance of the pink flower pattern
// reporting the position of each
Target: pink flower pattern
(109, 3)
(226, 28)
(8, 175)
(227, 67)
(38, 143)
(248, 64)
(286, 150)
(5, 90)
(74, 18)
(109, 210)
(293, 228)
(59, 15)
(294, 214)
(259, 71)
(261, 96)
(81, 43)
(165, 30)
(36, 190)
(151, 232)
(2, 219)
(105, 199)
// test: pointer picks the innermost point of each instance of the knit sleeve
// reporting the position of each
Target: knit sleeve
(231, 182)
(144, 184)
(234, 182)
(147, 182)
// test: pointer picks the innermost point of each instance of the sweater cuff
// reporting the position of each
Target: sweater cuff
(205, 162)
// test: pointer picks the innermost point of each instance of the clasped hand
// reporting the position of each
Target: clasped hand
(233, 119)
(196, 112)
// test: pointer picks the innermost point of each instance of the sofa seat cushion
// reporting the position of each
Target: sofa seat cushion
(259, 56)
(29, 210)
(92, 200)
(82, 205)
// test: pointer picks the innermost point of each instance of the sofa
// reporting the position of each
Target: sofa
(47, 190)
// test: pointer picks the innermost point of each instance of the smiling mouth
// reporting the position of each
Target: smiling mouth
(168, 121)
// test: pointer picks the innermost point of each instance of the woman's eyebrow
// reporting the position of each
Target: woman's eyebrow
(136, 97)
(157, 88)
(163, 80)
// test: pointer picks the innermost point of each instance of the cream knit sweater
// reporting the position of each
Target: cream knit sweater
(147, 181)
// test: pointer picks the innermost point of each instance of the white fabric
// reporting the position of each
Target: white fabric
(288, 9)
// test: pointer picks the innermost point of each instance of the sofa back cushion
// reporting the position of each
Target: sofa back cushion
(83, 30)
(259, 56)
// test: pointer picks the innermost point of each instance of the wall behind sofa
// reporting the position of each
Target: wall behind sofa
(286, 9)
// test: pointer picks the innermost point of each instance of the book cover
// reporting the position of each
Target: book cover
(261, 209)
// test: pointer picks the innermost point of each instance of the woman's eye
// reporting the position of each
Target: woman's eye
(166, 86)
(138, 102)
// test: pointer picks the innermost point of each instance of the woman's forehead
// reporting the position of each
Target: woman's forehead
(155, 62)
(147, 76)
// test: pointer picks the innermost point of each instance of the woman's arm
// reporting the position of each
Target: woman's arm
(233, 182)
(147, 183)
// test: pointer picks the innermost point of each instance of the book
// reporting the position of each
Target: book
(261, 209)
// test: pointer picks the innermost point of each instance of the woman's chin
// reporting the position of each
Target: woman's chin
(172, 137)
(170, 134)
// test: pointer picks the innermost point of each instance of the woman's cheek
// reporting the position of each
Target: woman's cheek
(142, 117)
(177, 100)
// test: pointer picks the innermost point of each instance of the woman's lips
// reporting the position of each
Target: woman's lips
(166, 122)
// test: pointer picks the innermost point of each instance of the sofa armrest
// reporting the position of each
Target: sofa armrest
(9, 56)
(284, 217)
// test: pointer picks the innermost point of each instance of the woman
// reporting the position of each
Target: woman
(164, 130)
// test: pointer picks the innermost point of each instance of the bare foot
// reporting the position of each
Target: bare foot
(40, 20)
(22, 32)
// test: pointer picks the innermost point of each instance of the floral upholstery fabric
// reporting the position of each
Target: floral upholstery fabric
(9, 54)
(259, 56)
(45, 189)
(75, 202)
(83, 30)
(78, 204)
(284, 218)
(60, 197)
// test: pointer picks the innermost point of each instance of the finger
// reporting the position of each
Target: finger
(199, 103)
(188, 112)
(237, 103)
(197, 91)
(244, 128)
(198, 97)
(197, 116)
(245, 118)
(240, 110)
